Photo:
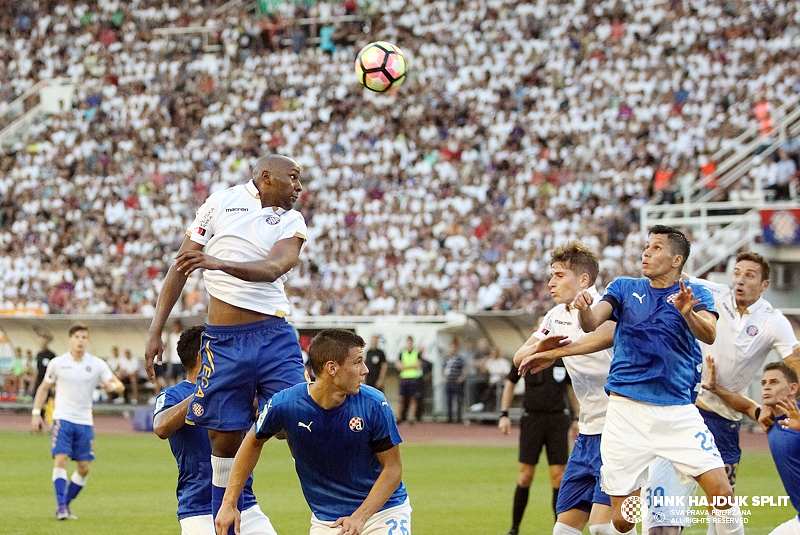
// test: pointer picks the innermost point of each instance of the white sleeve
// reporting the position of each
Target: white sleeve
(784, 340)
(715, 289)
(294, 226)
(202, 228)
(105, 371)
(546, 329)
(50, 374)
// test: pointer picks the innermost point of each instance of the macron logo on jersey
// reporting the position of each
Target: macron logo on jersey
(639, 297)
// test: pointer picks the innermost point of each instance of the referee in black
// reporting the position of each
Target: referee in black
(550, 410)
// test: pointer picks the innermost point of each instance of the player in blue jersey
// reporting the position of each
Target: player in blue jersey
(345, 443)
(246, 238)
(192, 450)
(656, 366)
(779, 388)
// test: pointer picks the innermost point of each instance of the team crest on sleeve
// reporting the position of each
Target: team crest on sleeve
(263, 415)
(356, 424)
(545, 331)
(752, 330)
(197, 409)
(201, 231)
(273, 220)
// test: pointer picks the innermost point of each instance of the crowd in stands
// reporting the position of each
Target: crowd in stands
(521, 125)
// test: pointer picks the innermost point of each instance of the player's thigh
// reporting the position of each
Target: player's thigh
(83, 444)
(625, 448)
(726, 438)
(686, 441)
(280, 362)
(666, 495)
(197, 525)
(532, 437)
(392, 521)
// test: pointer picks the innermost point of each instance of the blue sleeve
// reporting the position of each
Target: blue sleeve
(613, 296)
(166, 399)
(268, 422)
(706, 300)
(383, 431)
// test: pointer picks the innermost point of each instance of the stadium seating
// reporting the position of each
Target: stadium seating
(522, 125)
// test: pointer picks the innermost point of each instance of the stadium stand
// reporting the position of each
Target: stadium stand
(522, 125)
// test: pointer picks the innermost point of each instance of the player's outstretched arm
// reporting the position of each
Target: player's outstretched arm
(734, 400)
(793, 360)
(540, 346)
(601, 338)
(243, 465)
(113, 385)
(171, 419)
(169, 295)
(387, 482)
(591, 317)
(283, 256)
(528, 348)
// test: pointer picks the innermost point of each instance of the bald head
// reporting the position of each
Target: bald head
(272, 164)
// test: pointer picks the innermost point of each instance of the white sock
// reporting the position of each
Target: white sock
(600, 529)
(59, 473)
(614, 531)
(725, 528)
(221, 471)
(78, 480)
(563, 529)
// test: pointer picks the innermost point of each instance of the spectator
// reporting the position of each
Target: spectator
(375, 360)
(455, 373)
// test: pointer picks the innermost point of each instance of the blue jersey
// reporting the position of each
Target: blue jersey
(192, 450)
(785, 447)
(334, 449)
(656, 357)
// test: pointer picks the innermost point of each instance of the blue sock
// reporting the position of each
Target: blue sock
(220, 474)
(76, 484)
(60, 484)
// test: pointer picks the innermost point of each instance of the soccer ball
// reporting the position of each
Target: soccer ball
(380, 65)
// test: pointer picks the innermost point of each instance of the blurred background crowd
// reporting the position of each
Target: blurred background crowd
(521, 125)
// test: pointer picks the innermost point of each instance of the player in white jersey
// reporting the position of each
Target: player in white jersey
(74, 376)
(574, 268)
(747, 330)
(246, 238)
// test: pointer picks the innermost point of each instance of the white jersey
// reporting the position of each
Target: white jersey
(588, 372)
(232, 225)
(742, 344)
(75, 382)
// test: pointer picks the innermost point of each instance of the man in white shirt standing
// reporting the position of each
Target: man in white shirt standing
(74, 376)
(747, 330)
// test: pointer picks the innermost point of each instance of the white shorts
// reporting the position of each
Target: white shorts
(792, 527)
(393, 521)
(198, 525)
(636, 433)
(666, 496)
(254, 522)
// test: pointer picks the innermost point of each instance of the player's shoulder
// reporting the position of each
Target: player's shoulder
(290, 394)
(292, 215)
(371, 393)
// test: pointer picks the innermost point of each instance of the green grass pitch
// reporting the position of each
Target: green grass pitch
(459, 490)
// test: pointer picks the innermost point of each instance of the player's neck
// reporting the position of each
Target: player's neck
(77, 355)
(325, 394)
(666, 280)
(742, 306)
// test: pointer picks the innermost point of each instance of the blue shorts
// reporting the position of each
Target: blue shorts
(241, 362)
(411, 388)
(71, 439)
(580, 485)
(726, 436)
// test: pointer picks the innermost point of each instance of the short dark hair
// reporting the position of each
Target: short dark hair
(578, 258)
(758, 259)
(189, 346)
(678, 242)
(331, 345)
(785, 369)
(78, 327)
